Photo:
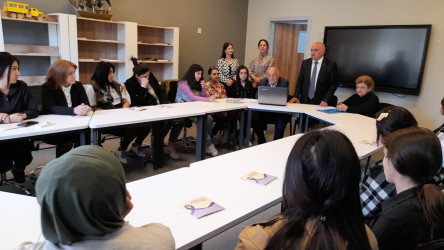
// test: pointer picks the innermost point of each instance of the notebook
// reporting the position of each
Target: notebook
(272, 95)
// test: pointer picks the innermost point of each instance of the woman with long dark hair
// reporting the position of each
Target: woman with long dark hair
(227, 64)
(320, 206)
(112, 95)
(413, 216)
(192, 88)
(260, 63)
(16, 105)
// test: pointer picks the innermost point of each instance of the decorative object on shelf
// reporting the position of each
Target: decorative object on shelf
(93, 8)
(21, 10)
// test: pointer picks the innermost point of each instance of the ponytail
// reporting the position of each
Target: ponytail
(431, 201)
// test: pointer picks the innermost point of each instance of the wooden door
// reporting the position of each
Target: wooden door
(286, 56)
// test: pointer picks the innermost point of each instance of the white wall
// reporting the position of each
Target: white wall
(323, 13)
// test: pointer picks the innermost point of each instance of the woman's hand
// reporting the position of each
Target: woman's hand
(17, 117)
(212, 98)
(4, 118)
(82, 109)
(202, 84)
(144, 82)
(341, 107)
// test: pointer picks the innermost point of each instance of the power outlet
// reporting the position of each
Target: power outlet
(199, 31)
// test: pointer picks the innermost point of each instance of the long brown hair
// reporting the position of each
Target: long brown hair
(58, 72)
(416, 153)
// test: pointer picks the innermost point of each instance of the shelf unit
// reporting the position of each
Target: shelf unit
(36, 44)
(100, 40)
(85, 42)
(159, 47)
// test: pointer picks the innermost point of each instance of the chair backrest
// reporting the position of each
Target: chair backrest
(170, 89)
(36, 93)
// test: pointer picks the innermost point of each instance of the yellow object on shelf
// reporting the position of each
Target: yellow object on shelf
(20, 11)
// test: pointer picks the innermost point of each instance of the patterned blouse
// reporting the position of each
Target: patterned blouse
(227, 71)
(260, 64)
(219, 90)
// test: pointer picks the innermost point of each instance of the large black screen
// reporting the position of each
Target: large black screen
(394, 56)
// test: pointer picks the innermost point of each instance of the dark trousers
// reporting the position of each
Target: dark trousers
(15, 154)
(261, 119)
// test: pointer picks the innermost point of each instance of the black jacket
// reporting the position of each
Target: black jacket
(54, 101)
(140, 95)
(19, 100)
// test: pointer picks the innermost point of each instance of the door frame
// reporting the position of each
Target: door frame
(292, 20)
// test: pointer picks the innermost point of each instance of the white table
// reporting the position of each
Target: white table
(60, 124)
(218, 179)
(19, 220)
(104, 119)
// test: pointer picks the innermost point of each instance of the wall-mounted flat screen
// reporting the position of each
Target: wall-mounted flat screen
(393, 55)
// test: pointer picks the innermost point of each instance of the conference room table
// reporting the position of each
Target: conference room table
(47, 125)
(157, 115)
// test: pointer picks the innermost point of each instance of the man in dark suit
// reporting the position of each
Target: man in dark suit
(317, 78)
(261, 119)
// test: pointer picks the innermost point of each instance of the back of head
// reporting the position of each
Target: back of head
(81, 194)
(393, 118)
(321, 188)
(139, 68)
(416, 153)
(58, 72)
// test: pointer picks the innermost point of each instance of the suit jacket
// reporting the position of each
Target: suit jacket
(54, 101)
(282, 83)
(326, 84)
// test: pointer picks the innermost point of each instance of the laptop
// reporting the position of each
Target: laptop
(272, 95)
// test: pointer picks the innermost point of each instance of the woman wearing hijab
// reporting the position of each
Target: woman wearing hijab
(73, 217)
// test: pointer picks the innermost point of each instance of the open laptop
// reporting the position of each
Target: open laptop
(272, 95)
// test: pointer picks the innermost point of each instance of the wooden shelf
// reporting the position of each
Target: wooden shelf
(82, 39)
(33, 80)
(85, 60)
(32, 50)
(155, 44)
(145, 61)
(48, 19)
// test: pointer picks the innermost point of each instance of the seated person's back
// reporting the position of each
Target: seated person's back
(84, 201)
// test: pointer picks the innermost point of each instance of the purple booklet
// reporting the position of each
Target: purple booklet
(259, 178)
(200, 207)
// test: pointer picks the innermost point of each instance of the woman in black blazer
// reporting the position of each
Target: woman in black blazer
(63, 95)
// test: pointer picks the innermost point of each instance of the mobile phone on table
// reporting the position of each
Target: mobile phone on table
(27, 124)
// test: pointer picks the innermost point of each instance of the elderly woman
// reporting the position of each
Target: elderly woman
(364, 102)
(63, 95)
(84, 201)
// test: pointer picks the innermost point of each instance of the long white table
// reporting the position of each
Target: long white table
(105, 119)
(19, 220)
(59, 124)
(218, 179)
